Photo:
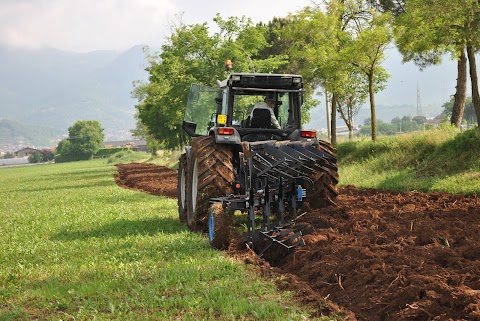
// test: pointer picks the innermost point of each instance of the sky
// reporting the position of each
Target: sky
(88, 25)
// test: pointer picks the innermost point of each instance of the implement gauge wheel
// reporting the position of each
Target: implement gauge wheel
(219, 226)
(210, 174)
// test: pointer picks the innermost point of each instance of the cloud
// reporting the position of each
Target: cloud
(117, 24)
(83, 25)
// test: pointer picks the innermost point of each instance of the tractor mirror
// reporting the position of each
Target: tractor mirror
(189, 127)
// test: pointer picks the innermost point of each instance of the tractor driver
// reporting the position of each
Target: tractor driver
(262, 107)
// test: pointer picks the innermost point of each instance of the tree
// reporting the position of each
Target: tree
(192, 54)
(44, 155)
(332, 39)
(396, 7)
(420, 120)
(9, 155)
(47, 155)
(35, 157)
(85, 137)
(353, 98)
(469, 115)
(430, 28)
(372, 38)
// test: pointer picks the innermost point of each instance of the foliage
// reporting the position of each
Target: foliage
(429, 28)
(404, 125)
(9, 155)
(44, 155)
(141, 131)
(350, 102)
(76, 246)
(441, 159)
(85, 137)
(469, 115)
(339, 42)
(106, 152)
(35, 157)
(127, 156)
(192, 54)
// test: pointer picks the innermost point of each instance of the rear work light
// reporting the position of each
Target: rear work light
(308, 133)
(225, 131)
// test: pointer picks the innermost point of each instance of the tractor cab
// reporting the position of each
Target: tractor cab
(247, 107)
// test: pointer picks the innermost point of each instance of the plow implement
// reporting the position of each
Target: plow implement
(278, 178)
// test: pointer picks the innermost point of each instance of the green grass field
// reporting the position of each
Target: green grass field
(441, 159)
(75, 246)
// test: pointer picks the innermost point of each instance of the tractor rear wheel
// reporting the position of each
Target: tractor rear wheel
(182, 188)
(325, 182)
(210, 174)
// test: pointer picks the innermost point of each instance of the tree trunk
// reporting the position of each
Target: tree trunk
(373, 111)
(461, 91)
(333, 139)
(329, 131)
(474, 80)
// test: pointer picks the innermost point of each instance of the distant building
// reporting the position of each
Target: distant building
(135, 145)
(434, 122)
(343, 130)
(26, 152)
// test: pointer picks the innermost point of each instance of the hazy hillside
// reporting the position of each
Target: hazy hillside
(53, 88)
(15, 134)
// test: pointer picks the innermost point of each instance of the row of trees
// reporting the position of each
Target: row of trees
(397, 125)
(337, 45)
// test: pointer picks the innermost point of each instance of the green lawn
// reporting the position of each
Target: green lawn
(74, 246)
(442, 159)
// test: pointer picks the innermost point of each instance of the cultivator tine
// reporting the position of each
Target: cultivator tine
(289, 236)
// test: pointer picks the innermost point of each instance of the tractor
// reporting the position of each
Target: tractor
(258, 162)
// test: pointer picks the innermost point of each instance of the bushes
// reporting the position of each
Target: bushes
(106, 152)
(44, 155)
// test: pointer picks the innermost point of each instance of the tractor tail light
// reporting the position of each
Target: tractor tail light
(225, 131)
(308, 133)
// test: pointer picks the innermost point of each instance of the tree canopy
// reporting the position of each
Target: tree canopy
(335, 44)
(193, 55)
(427, 29)
(85, 137)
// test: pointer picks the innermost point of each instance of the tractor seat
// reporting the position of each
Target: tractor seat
(261, 118)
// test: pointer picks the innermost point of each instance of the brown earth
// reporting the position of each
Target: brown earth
(381, 255)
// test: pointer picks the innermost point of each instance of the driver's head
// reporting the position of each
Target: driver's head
(270, 99)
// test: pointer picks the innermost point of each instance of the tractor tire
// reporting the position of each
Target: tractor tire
(324, 192)
(182, 188)
(220, 221)
(210, 174)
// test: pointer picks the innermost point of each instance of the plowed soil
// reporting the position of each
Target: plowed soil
(380, 255)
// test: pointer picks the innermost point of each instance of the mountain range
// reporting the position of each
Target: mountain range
(50, 88)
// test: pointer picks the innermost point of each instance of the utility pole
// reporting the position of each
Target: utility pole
(419, 103)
